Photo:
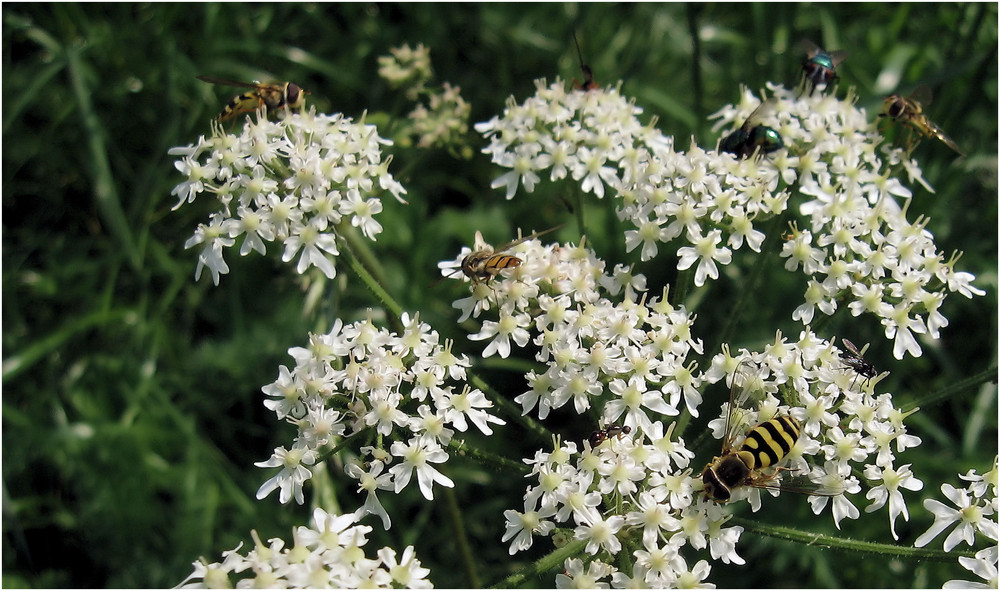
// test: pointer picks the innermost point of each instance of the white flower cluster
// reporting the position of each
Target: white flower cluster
(408, 68)
(291, 181)
(630, 359)
(406, 389)
(975, 510)
(592, 136)
(330, 554)
(858, 247)
(444, 122)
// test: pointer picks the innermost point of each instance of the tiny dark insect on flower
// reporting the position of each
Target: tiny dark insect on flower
(598, 437)
(853, 359)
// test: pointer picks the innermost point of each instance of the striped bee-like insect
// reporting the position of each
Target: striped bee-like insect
(270, 96)
(853, 359)
(764, 446)
(485, 262)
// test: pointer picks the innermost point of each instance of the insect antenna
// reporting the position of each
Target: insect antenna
(588, 74)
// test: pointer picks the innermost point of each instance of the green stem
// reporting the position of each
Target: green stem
(553, 561)
(987, 375)
(486, 458)
(29, 355)
(580, 219)
(748, 290)
(682, 286)
(460, 539)
(510, 409)
(343, 443)
(847, 544)
(395, 311)
(693, 11)
(105, 191)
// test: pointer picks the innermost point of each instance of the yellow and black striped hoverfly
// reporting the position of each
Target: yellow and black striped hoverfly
(910, 112)
(763, 448)
(270, 96)
(485, 262)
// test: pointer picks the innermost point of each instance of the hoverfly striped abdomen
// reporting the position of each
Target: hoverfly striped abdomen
(271, 96)
(767, 443)
(499, 262)
(484, 265)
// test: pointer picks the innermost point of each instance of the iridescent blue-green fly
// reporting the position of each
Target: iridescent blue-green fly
(820, 67)
(753, 138)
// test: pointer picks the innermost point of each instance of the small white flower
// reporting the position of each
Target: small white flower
(293, 473)
(521, 527)
(417, 455)
(370, 481)
(705, 253)
(892, 480)
(600, 533)
(969, 516)
(984, 566)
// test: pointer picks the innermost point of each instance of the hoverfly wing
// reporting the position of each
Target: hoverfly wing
(923, 96)
(226, 82)
(745, 380)
(801, 484)
(514, 243)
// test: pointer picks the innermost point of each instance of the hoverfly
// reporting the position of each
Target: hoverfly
(588, 74)
(485, 262)
(853, 359)
(598, 437)
(820, 67)
(271, 96)
(910, 112)
(764, 446)
(753, 138)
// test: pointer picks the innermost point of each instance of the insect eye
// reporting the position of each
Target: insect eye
(294, 92)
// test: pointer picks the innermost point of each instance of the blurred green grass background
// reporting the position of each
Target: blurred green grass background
(132, 409)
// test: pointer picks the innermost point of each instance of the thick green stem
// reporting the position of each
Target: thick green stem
(847, 544)
(460, 539)
(987, 375)
(486, 458)
(368, 278)
(748, 289)
(578, 210)
(551, 562)
(681, 287)
(511, 410)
